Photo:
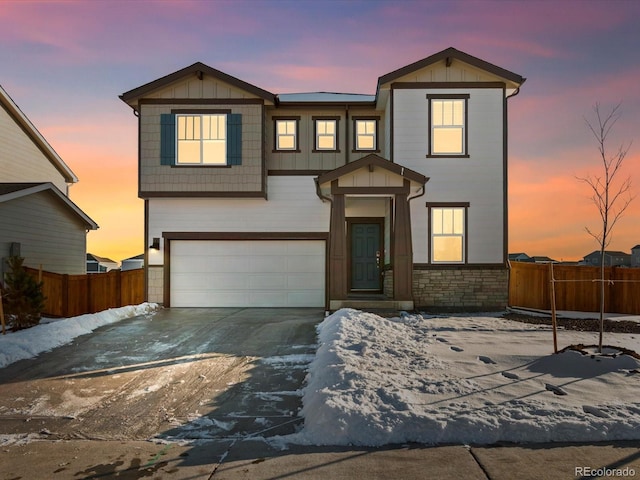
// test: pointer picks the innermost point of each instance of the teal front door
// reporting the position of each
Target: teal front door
(365, 256)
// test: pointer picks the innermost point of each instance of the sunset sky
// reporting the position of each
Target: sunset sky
(65, 63)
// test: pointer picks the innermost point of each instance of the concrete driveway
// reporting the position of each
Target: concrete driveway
(214, 373)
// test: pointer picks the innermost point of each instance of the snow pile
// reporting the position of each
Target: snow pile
(30, 342)
(478, 380)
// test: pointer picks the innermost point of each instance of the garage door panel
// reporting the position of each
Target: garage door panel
(267, 281)
(260, 273)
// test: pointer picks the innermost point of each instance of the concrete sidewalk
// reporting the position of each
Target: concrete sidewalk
(255, 460)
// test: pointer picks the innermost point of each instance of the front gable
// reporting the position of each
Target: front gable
(197, 82)
(371, 175)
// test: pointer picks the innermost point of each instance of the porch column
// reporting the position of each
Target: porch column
(403, 252)
(337, 250)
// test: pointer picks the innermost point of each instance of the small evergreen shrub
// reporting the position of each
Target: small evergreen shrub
(22, 296)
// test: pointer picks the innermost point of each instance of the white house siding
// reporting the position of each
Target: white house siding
(477, 179)
(292, 206)
(49, 235)
(21, 160)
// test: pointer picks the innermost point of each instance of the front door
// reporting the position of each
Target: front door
(366, 254)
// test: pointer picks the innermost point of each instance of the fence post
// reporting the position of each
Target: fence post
(552, 284)
(118, 293)
(65, 295)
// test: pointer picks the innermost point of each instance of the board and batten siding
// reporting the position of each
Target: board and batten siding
(49, 235)
(478, 179)
(245, 178)
(21, 160)
(293, 206)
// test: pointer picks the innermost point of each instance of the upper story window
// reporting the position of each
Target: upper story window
(366, 133)
(201, 139)
(448, 233)
(286, 134)
(326, 133)
(212, 138)
(448, 124)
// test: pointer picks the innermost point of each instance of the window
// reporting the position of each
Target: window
(326, 133)
(448, 125)
(211, 138)
(201, 139)
(286, 134)
(448, 237)
(365, 134)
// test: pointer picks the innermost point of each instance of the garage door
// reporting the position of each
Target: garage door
(247, 273)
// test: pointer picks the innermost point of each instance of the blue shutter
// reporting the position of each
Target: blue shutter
(167, 139)
(234, 139)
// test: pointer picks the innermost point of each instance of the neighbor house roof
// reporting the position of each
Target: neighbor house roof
(198, 69)
(96, 258)
(636, 247)
(610, 253)
(12, 191)
(36, 137)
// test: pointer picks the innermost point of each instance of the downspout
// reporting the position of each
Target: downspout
(326, 277)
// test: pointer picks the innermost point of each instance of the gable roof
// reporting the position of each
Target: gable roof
(12, 191)
(372, 160)
(636, 247)
(95, 258)
(35, 136)
(198, 69)
(448, 55)
(609, 253)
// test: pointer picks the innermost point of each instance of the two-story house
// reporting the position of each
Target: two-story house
(38, 220)
(612, 258)
(395, 199)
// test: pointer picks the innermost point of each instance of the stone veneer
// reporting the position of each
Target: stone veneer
(461, 288)
(155, 282)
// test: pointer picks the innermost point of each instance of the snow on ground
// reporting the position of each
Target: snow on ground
(470, 380)
(50, 333)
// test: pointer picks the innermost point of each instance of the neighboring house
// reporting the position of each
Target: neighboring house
(96, 264)
(396, 199)
(38, 221)
(635, 256)
(543, 259)
(132, 263)
(612, 258)
(520, 257)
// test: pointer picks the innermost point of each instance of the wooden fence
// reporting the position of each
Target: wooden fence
(71, 295)
(530, 287)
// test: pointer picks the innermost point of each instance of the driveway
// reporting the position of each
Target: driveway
(181, 374)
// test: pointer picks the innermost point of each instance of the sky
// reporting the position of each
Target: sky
(66, 62)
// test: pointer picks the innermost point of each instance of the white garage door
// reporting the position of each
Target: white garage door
(247, 273)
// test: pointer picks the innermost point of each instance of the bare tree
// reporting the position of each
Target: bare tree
(610, 195)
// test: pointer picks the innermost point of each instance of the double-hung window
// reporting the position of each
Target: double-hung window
(286, 134)
(366, 132)
(448, 121)
(326, 133)
(201, 139)
(448, 233)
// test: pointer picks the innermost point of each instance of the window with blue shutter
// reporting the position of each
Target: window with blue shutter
(201, 139)
(234, 139)
(167, 139)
